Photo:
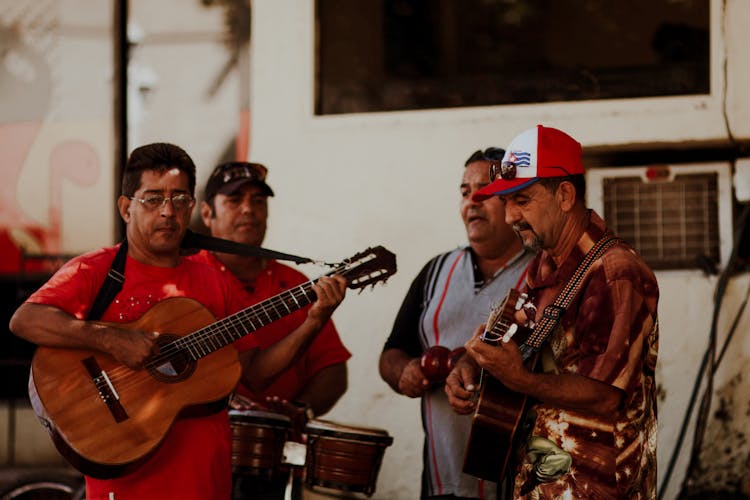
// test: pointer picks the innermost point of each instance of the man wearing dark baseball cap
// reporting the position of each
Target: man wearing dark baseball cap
(236, 208)
(228, 177)
(594, 433)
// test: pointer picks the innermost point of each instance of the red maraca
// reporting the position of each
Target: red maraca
(434, 363)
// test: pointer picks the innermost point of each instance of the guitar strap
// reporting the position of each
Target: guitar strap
(194, 240)
(116, 274)
(112, 283)
(554, 312)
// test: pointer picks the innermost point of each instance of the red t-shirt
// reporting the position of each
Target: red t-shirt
(194, 460)
(326, 350)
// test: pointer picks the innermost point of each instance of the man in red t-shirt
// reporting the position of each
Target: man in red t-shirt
(236, 208)
(193, 460)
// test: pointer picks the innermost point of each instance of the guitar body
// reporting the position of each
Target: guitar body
(105, 437)
(498, 421)
(497, 427)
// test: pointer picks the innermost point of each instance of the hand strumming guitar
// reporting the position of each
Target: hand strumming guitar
(132, 348)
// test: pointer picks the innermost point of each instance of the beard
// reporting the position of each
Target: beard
(533, 242)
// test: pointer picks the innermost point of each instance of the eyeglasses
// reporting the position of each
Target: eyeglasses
(241, 170)
(180, 201)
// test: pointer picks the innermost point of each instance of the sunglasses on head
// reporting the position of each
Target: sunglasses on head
(503, 170)
(508, 170)
(241, 170)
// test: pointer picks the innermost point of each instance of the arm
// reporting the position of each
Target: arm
(260, 368)
(324, 389)
(399, 362)
(49, 326)
(403, 373)
(569, 391)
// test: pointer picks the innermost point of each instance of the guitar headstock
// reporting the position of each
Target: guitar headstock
(368, 267)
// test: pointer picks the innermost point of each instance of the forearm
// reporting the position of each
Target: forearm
(53, 327)
(49, 326)
(572, 392)
(260, 368)
(391, 366)
(324, 389)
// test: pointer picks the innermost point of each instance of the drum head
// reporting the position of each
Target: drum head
(329, 428)
(255, 417)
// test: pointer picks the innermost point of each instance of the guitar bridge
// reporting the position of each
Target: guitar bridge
(105, 389)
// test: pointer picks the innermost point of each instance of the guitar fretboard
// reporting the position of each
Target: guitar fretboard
(222, 333)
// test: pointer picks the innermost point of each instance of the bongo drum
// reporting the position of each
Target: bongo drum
(344, 457)
(258, 442)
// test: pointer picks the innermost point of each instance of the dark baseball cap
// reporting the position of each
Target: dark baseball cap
(228, 177)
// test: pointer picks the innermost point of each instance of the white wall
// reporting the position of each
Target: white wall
(346, 182)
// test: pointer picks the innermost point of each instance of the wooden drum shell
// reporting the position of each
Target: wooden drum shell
(258, 442)
(343, 457)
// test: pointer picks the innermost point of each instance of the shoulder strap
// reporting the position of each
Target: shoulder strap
(112, 283)
(206, 242)
(554, 312)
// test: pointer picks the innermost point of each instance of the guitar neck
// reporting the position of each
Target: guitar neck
(222, 333)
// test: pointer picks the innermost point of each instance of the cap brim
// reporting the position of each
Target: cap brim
(231, 187)
(502, 187)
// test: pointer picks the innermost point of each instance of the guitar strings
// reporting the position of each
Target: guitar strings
(123, 375)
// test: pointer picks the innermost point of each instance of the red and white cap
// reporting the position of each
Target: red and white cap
(534, 154)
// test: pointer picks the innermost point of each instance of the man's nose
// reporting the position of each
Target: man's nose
(167, 208)
(512, 214)
(246, 206)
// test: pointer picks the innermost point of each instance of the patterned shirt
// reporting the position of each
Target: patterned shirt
(609, 333)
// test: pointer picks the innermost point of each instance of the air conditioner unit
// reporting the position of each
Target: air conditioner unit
(676, 216)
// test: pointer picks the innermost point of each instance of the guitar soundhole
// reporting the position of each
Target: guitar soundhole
(171, 364)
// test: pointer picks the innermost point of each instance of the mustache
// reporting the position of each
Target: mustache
(521, 226)
(167, 225)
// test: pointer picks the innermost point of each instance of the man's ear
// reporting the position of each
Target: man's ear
(566, 192)
(123, 206)
(206, 213)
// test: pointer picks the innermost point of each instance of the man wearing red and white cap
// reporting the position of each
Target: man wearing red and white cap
(594, 394)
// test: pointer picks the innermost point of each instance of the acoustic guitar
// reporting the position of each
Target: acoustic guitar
(107, 419)
(498, 420)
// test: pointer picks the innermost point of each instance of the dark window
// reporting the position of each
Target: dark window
(385, 55)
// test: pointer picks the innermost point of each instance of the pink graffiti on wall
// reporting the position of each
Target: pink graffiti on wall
(20, 233)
